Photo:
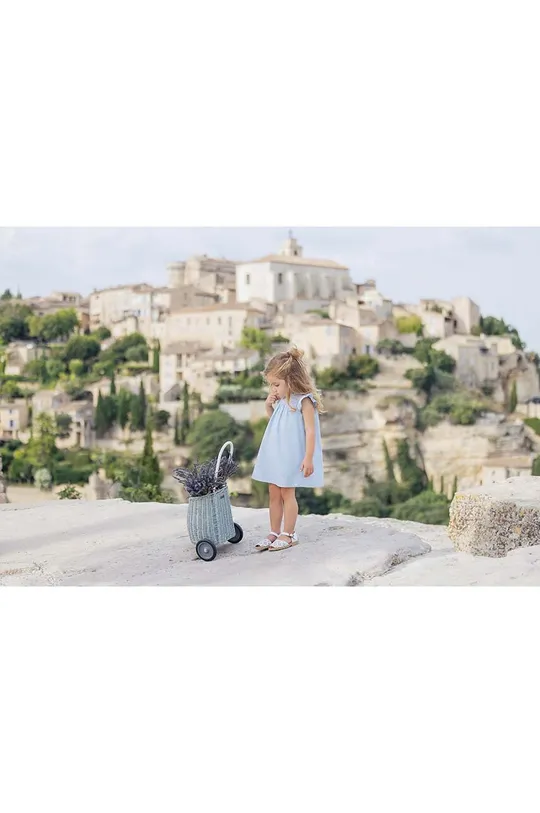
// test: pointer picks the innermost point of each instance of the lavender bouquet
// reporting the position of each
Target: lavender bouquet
(201, 479)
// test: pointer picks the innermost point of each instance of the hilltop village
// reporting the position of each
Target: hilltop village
(103, 395)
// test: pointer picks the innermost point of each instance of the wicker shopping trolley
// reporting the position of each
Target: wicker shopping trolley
(209, 516)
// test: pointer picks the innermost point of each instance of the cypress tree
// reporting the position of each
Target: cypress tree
(177, 438)
(390, 474)
(454, 487)
(442, 484)
(123, 407)
(155, 358)
(138, 410)
(113, 384)
(185, 423)
(100, 417)
(513, 398)
(150, 471)
(144, 406)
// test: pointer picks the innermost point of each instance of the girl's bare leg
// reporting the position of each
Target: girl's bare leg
(290, 509)
(276, 508)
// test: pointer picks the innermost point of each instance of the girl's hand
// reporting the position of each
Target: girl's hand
(271, 400)
(307, 467)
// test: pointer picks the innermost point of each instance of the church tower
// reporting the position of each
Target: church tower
(291, 247)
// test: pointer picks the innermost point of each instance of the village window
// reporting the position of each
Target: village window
(219, 320)
(247, 279)
(280, 279)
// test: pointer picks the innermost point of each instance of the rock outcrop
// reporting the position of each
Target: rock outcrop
(494, 519)
(112, 542)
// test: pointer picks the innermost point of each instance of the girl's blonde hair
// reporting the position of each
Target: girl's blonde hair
(290, 367)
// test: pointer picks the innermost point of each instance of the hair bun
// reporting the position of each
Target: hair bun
(296, 353)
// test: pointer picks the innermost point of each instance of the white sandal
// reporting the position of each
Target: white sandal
(283, 544)
(264, 544)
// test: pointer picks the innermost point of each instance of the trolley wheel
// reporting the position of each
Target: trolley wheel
(239, 535)
(206, 550)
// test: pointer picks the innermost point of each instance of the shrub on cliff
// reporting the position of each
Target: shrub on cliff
(427, 507)
(393, 347)
(409, 324)
(461, 408)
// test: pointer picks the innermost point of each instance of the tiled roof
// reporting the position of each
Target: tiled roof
(293, 260)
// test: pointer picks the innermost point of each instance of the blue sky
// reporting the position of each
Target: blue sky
(498, 268)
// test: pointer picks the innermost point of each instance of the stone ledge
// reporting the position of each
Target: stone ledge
(494, 519)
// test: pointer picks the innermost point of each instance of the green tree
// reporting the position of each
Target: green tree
(155, 358)
(123, 408)
(454, 487)
(14, 317)
(409, 324)
(41, 449)
(113, 384)
(161, 419)
(150, 470)
(100, 417)
(392, 347)
(512, 404)
(423, 349)
(210, 431)
(137, 353)
(84, 348)
(63, 425)
(76, 368)
(6, 295)
(362, 367)
(186, 423)
(138, 410)
(426, 507)
(413, 477)
(102, 333)
(36, 370)
(389, 465)
(177, 437)
(115, 355)
(54, 368)
(423, 379)
(255, 339)
(535, 466)
(491, 326)
(10, 390)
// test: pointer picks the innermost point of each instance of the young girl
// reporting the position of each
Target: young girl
(291, 452)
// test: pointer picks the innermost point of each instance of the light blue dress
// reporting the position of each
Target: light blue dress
(283, 448)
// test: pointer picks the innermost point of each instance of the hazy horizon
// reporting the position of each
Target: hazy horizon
(496, 267)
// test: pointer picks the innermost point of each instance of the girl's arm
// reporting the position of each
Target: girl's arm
(308, 413)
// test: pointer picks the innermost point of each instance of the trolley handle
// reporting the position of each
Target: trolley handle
(220, 455)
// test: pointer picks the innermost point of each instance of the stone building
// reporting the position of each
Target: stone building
(493, 363)
(215, 326)
(14, 418)
(207, 274)
(193, 364)
(325, 342)
(57, 402)
(54, 302)
(443, 318)
(19, 354)
(290, 276)
(368, 296)
(370, 327)
(477, 360)
(126, 309)
(497, 469)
